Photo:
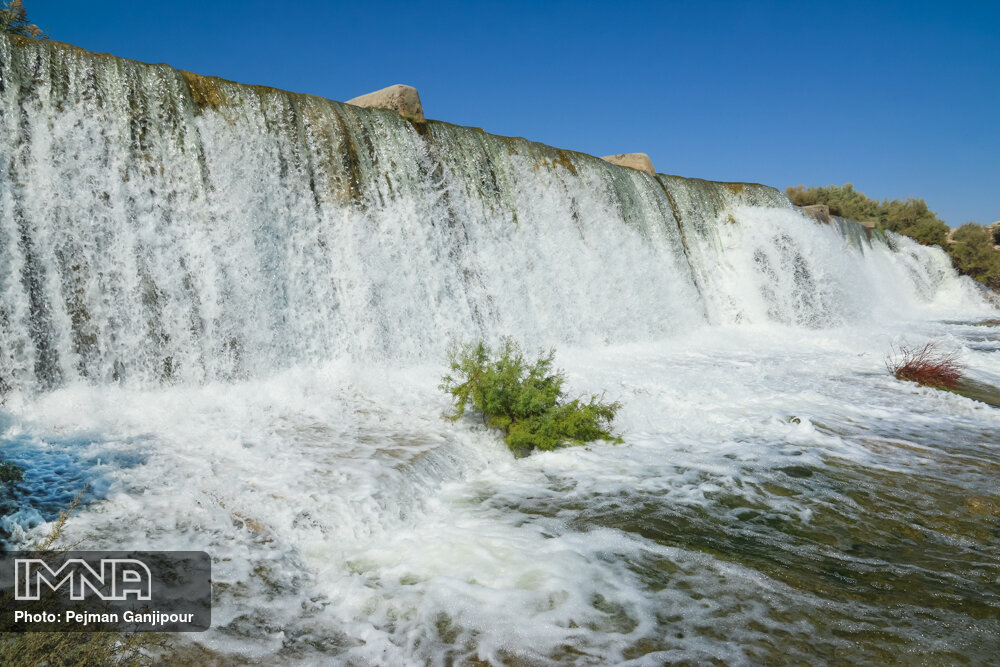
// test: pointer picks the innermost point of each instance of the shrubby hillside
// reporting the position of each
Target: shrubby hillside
(970, 246)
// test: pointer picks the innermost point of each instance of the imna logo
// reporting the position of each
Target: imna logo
(97, 591)
(111, 579)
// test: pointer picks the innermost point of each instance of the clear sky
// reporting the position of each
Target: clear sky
(900, 98)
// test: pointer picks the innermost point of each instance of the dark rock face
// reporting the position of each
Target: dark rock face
(818, 212)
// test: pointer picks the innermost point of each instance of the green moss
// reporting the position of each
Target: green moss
(524, 400)
(205, 90)
(562, 159)
(675, 211)
(979, 391)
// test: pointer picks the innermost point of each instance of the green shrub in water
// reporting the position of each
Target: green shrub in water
(524, 399)
(10, 473)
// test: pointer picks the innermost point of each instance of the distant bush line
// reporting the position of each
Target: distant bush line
(969, 246)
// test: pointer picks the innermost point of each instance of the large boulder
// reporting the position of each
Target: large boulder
(404, 100)
(638, 161)
(818, 212)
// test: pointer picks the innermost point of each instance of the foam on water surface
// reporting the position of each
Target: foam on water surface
(777, 495)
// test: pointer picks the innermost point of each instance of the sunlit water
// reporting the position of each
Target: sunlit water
(225, 311)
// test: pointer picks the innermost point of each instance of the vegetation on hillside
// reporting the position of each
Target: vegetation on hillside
(971, 245)
(972, 252)
(14, 20)
(524, 399)
(911, 217)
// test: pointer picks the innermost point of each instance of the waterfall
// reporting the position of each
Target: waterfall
(223, 316)
(160, 226)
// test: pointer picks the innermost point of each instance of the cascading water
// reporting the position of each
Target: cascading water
(164, 226)
(227, 308)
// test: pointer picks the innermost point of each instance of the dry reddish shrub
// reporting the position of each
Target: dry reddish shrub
(926, 365)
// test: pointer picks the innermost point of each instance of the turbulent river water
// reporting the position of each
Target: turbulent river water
(226, 310)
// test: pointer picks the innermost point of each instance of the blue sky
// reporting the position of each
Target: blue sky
(900, 98)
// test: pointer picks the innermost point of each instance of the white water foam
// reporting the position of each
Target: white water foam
(347, 520)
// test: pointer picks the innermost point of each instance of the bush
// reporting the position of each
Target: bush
(524, 400)
(10, 474)
(14, 20)
(973, 253)
(843, 200)
(914, 219)
(910, 218)
(927, 366)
